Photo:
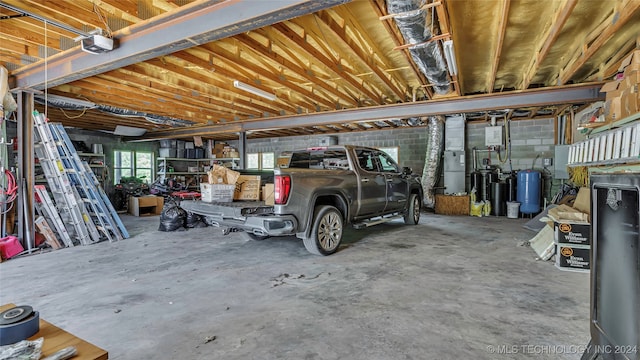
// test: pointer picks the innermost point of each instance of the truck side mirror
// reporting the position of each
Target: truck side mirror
(406, 170)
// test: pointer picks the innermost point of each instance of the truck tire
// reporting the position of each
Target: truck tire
(412, 215)
(326, 231)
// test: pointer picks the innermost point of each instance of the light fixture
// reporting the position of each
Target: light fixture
(248, 88)
(450, 56)
(129, 131)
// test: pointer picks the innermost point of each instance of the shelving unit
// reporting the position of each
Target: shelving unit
(97, 164)
(179, 168)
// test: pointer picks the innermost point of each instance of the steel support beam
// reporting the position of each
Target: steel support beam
(191, 25)
(574, 94)
(25, 179)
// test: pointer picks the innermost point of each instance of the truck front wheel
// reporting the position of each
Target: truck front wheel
(326, 232)
(412, 214)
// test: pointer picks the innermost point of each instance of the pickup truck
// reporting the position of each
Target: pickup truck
(322, 190)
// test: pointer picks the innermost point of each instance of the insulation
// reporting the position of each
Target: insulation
(430, 173)
(415, 24)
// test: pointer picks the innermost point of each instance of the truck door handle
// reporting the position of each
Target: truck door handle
(364, 180)
(389, 179)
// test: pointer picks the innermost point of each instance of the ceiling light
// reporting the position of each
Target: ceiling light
(248, 88)
(129, 131)
(450, 56)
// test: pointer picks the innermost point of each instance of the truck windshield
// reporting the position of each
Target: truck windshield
(325, 159)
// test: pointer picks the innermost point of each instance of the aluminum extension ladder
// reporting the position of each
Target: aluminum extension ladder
(48, 210)
(82, 177)
(68, 202)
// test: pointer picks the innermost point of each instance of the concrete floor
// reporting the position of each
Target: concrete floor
(452, 287)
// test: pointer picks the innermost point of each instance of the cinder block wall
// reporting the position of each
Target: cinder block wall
(529, 138)
(411, 143)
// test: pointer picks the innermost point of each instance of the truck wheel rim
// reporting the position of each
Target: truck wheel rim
(416, 209)
(330, 231)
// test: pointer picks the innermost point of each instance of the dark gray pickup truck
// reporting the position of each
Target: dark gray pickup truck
(321, 191)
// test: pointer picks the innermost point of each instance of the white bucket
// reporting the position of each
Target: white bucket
(513, 209)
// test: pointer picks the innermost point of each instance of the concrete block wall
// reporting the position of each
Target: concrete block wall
(411, 143)
(529, 139)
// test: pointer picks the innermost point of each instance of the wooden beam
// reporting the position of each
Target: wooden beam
(261, 50)
(340, 33)
(302, 44)
(379, 7)
(504, 19)
(550, 37)
(624, 15)
(443, 21)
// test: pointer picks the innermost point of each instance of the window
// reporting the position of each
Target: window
(253, 161)
(366, 160)
(392, 151)
(387, 163)
(264, 160)
(330, 159)
(268, 160)
(131, 163)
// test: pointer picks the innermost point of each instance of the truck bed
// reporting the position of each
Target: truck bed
(234, 210)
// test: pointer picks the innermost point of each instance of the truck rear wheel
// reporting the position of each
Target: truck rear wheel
(326, 232)
(412, 215)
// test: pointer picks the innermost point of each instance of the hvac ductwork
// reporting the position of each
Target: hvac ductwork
(72, 104)
(415, 24)
(430, 173)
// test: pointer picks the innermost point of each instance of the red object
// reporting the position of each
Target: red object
(186, 194)
(282, 189)
(10, 246)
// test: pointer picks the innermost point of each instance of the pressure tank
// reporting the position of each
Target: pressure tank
(529, 182)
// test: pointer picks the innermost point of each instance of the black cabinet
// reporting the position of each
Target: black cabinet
(615, 267)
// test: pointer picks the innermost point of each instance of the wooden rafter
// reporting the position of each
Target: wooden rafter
(340, 34)
(624, 15)
(550, 37)
(443, 21)
(295, 68)
(379, 7)
(502, 29)
(303, 45)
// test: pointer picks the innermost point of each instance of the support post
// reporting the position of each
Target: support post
(24, 178)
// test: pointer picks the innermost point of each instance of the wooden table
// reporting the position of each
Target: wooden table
(57, 339)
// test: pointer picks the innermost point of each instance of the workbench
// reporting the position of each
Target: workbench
(56, 339)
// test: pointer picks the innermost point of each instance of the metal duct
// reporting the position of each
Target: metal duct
(75, 105)
(414, 24)
(435, 143)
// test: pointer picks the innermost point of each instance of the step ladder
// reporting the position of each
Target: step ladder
(82, 177)
(68, 202)
(45, 207)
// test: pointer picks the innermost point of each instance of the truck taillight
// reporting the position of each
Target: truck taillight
(281, 189)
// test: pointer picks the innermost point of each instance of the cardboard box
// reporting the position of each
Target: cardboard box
(247, 188)
(145, 205)
(268, 194)
(582, 202)
(630, 62)
(573, 257)
(217, 192)
(572, 233)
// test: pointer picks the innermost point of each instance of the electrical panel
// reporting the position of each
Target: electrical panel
(493, 136)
